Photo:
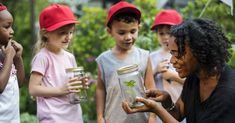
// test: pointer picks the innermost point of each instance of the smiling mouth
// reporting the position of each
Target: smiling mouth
(65, 42)
(128, 43)
(178, 70)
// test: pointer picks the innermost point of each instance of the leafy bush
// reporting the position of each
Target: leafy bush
(27, 118)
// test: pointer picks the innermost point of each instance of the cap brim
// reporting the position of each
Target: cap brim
(165, 23)
(58, 25)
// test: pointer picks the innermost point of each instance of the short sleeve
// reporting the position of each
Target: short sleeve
(39, 64)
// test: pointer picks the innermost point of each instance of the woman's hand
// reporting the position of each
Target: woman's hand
(149, 106)
(159, 96)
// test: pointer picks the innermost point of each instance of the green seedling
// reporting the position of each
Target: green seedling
(131, 83)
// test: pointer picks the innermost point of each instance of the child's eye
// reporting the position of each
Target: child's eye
(161, 33)
(62, 33)
(7, 26)
(133, 31)
(121, 33)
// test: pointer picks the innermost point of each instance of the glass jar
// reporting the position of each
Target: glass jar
(131, 84)
(81, 96)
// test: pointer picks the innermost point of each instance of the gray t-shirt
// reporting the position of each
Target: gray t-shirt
(108, 65)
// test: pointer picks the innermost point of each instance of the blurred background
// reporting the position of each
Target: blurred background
(91, 38)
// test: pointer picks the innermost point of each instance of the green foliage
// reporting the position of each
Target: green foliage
(91, 38)
(147, 39)
(232, 61)
(27, 118)
(217, 11)
(88, 107)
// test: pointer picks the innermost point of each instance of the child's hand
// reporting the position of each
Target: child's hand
(162, 66)
(18, 48)
(85, 80)
(74, 85)
(8, 50)
(169, 74)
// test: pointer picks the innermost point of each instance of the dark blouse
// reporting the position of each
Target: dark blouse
(219, 107)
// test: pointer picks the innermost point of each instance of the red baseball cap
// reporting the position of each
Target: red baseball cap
(122, 6)
(55, 16)
(2, 7)
(168, 17)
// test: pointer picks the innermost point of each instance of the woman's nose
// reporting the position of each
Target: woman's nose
(173, 59)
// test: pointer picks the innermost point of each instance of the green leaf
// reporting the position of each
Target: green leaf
(131, 83)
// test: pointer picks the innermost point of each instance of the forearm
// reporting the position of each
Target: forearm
(20, 70)
(164, 115)
(152, 117)
(5, 72)
(178, 79)
(43, 91)
(100, 103)
(149, 80)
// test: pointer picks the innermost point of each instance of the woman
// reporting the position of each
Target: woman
(199, 52)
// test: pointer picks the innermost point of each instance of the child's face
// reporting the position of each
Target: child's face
(60, 38)
(163, 34)
(6, 31)
(124, 34)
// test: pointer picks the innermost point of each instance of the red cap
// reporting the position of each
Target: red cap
(55, 16)
(122, 7)
(2, 7)
(168, 17)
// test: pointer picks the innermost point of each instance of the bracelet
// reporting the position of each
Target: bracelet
(171, 107)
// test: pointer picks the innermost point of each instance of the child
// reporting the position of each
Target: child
(165, 76)
(123, 25)
(48, 81)
(11, 70)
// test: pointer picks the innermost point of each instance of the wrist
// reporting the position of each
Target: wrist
(100, 118)
(171, 107)
(168, 103)
(17, 58)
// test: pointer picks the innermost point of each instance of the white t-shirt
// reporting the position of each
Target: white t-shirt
(9, 99)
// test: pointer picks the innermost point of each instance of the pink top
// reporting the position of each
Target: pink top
(52, 67)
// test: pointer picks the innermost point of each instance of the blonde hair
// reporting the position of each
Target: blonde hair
(41, 42)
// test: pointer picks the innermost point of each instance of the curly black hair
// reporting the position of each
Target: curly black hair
(207, 42)
(127, 17)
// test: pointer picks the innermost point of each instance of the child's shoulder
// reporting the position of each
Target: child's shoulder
(155, 52)
(105, 53)
(140, 50)
(41, 53)
(68, 53)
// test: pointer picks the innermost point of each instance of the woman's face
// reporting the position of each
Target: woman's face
(185, 65)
